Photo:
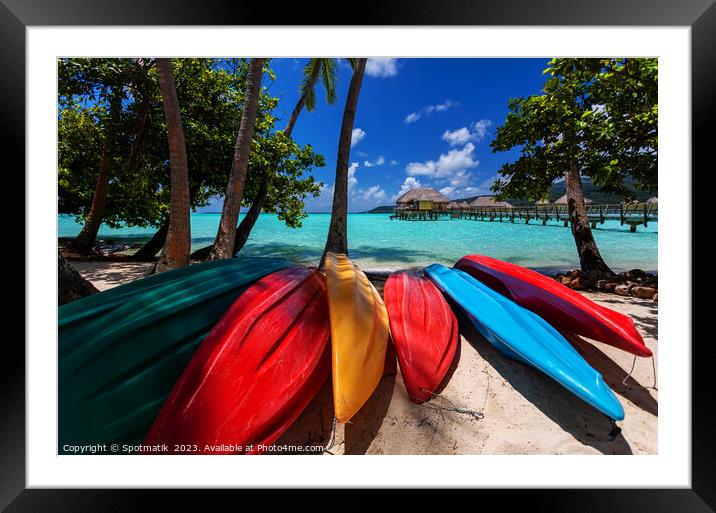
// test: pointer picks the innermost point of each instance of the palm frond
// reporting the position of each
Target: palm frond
(329, 77)
(310, 100)
(311, 72)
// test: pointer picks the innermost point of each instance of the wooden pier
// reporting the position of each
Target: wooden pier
(626, 213)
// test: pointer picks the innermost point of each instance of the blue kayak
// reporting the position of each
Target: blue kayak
(522, 335)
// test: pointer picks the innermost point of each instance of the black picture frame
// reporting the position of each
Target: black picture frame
(700, 15)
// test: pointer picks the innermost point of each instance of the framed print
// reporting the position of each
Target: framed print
(418, 251)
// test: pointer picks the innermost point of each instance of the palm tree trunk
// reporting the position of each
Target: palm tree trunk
(153, 245)
(177, 246)
(589, 257)
(85, 240)
(249, 220)
(70, 283)
(337, 241)
(224, 243)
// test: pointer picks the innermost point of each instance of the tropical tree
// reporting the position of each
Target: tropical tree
(337, 240)
(582, 125)
(314, 70)
(100, 86)
(288, 167)
(224, 243)
(178, 241)
(211, 95)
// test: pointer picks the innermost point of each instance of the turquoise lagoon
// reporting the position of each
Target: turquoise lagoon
(378, 243)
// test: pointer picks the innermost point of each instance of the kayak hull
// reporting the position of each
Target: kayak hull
(424, 330)
(115, 370)
(359, 335)
(522, 335)
(564, 308)
(255, 372)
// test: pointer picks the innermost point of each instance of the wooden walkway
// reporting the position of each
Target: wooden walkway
(629, 214)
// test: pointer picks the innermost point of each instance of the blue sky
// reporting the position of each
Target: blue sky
(420, 122)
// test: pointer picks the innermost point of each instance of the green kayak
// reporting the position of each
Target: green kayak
(118, 364)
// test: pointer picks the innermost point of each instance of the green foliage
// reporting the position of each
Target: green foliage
(290, 165)
(210, 93)
(597, 114)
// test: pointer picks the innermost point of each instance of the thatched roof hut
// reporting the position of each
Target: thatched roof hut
(563, 200)
(653, 199)
(463, 204)
(423, 198)
(452, 205)
(488, 201)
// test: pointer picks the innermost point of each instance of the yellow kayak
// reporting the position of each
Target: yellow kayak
(359, 335)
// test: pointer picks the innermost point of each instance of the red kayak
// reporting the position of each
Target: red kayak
(424, 332)
(255, 372)
(559, 305)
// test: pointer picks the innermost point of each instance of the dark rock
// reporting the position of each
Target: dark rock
(638, 273)
(610, 286)
(602, 284)
(577, 284)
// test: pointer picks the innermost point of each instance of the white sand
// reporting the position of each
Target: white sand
(525, 412)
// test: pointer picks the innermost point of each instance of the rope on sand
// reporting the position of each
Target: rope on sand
(653, 368)
(475, 414)
(333, 438)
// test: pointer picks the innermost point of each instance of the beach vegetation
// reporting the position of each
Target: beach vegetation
(595, 118)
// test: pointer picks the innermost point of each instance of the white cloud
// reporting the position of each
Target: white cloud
(393, 162)
(458, 136)
(412, 117)
(449, 166)
(352, 180)
(447, 190)
(429, 109)
(409, 183)
(377, 162)
(475, 132)
(374, 193)
(479, 128)
(381, 67)
(357, 136)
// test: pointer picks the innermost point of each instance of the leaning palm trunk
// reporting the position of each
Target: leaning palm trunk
(589, 257)
(337, 241)
(177, 246)
(85, 239)
(224, 243)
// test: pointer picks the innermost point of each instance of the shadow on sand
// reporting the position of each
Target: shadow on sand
(614, 375)
(584, 423)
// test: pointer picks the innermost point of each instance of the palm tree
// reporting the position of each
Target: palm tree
(85, 239)
(314, 70)
(225, 236)
(178, 242)
(337, 240)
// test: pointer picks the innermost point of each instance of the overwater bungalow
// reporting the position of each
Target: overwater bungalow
(422, 203)
(453, 206)
(422, 198)
(488, 201)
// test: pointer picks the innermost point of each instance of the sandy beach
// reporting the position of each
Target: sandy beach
(525, 412)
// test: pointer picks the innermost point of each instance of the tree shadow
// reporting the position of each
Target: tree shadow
(584, 423)
(362, 429)
(614, 375)
(314, 426)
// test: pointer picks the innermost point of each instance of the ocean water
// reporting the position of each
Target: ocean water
(378, 243)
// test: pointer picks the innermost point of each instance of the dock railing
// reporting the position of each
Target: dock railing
(632, 214)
